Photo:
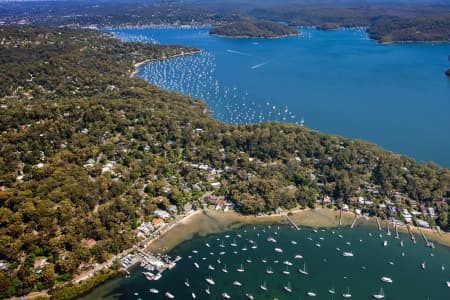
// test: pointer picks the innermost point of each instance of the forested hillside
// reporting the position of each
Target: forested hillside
(86, 153)
(259, 29)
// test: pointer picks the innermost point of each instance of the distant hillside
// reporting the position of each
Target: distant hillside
(257, 29)
(418, 21)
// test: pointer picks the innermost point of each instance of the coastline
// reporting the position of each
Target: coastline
(138, 64)
(319, 217)
(208, 221)
(255, 37)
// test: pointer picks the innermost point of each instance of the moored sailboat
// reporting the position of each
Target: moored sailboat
(347, 294)
(288, 288)
(380, 295)
(303, 271)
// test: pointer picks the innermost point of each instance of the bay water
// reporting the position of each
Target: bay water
(322, 256)
(339, 82)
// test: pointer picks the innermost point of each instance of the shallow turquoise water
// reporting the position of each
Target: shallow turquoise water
(340, 82)
(327, 267)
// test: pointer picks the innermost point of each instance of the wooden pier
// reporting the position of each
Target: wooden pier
(424, 237)
(292, 222)
(378, 223)
(411, 233)
(354, 221)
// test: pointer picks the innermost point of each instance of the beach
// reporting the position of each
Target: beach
(137, 65)
(208, 221)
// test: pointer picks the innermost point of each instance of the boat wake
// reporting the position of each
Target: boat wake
(238, 52)
(259, 65)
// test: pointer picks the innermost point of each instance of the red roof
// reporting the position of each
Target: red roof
(156, 221)
(89, 242)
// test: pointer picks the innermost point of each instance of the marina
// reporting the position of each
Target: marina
(154, 265)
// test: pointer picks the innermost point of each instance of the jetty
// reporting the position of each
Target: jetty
(354, 221)
(411, 233)
(425, 238)
(292, 222)
(396, 231)
(378, 223)
(340, 217)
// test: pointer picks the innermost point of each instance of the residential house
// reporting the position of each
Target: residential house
(162, 214)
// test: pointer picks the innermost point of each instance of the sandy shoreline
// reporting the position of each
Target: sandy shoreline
(206, 222)
(137, 65)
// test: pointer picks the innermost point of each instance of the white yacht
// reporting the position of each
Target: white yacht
(448, 284)
(332, 291)
(348, 254)
(241, 269)
(196, 265)
(303, 271)
(249, 296)
(210, 281)
(386, 279)
(211, 268)
(287, 263)
(347, 294)
(298, 256)
(154, 291)
(226, 296)
(263, 286)
(269, 271)
(286, 272)
(193, 296)
(293, 242)
(380, 295)
(288, 288)
(237, 283)
(169, 295)
(385, 243)
(225, 270)
(186, 283)
(207, 290)
(311, 294)
(423, 265)
(271, 239)
(279, 250)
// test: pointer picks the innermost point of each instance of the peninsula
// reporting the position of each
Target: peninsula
(254, 29)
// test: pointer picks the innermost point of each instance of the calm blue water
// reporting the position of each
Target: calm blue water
(326, 265)
(340, 82)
